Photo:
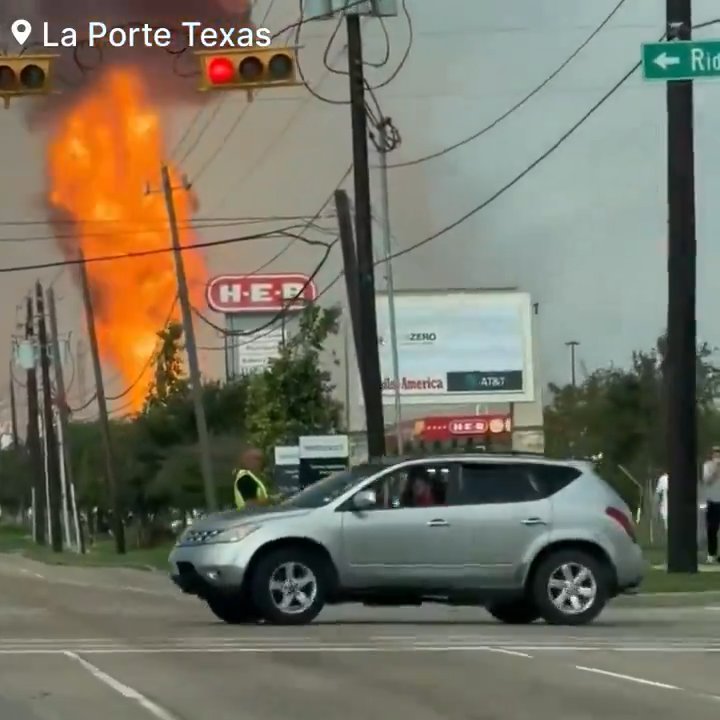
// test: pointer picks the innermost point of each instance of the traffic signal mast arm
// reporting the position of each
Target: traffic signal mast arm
(22, 75)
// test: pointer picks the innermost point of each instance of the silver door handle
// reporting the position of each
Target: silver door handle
(534, 521)
(438, 523)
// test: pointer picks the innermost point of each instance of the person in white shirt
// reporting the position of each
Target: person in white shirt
(661, 498)
(661, 505)
(711, 483)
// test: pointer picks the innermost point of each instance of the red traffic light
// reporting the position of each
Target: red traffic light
(221, 71)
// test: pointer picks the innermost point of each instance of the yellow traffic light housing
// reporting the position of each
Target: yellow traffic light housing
(22, 75)
(248, 68)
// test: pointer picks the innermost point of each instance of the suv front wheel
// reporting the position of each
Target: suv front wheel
(514, 612)
(570, 587)
(289, 586)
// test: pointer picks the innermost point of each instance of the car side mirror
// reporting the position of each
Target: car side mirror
(364, 500)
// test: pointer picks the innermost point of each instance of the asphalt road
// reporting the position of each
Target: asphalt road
(77, 644)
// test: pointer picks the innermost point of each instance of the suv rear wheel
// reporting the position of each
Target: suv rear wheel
(515, 612)
(570, 587)
(289, 586)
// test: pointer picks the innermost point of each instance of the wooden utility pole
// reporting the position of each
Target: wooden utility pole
(33, 434)
(681, 361)
(64, 420)
(190, 346)
(13, 407)
(117, 514)
(51, 447)
(369, 350)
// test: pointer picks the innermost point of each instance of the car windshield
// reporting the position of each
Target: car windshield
(326, 490)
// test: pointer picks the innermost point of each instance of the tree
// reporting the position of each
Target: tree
(621, 414)
(169, 377)
(293, 396)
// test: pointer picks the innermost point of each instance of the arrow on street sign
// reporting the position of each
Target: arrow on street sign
(681, 60)
(665, 61)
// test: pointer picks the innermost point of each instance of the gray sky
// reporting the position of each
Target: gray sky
(584, 233)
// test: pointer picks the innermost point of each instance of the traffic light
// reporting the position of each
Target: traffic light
(25, 75)
(248, 69)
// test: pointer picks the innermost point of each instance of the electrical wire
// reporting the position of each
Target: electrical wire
(151, 359)
(244, 220)
(133, 385)
(126, 233)
(505, 188)
(521, 102)
(158, 251)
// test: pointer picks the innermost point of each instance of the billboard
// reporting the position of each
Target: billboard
(458, 347)
(229, 294)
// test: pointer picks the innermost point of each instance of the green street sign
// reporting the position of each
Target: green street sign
(681, 60)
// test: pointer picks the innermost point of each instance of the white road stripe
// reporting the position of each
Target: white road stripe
(514, 653)
(629, 678)
(125, 690)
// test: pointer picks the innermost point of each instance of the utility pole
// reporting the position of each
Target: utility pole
(117, 511)
(572, 344)
(681, 322)
(53, 466)
(363, 233)
(191, 346)
(350, 269)
(13, 406)
(33, 433)
(64, 422)
(384, 148)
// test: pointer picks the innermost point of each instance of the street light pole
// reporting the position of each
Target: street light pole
(383, 149)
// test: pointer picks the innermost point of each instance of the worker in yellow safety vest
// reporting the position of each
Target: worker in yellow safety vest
(249, 489)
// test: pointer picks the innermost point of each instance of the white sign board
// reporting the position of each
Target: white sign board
(316, 447)
(458, 347)
(287, 455)
(253, 354)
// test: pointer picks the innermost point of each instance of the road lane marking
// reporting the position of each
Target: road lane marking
(125, 690)
(629, 678)
(514, 653)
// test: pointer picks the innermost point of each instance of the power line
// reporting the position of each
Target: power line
(158, 251)
(520, 103)
(146, 367)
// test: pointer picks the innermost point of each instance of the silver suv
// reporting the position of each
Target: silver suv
(524, 536)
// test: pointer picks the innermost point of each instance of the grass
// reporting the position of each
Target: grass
(101, 554)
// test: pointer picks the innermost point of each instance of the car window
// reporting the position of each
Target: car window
(326, 490)
(553, 478)
(495, 483)
(413, 486)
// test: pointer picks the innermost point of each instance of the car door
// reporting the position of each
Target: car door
(505, 513)
(397, 545)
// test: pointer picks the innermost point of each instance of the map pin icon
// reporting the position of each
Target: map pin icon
(21, 30)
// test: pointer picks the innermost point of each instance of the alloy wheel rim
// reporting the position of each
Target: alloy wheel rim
(293, 588)
(572, 588)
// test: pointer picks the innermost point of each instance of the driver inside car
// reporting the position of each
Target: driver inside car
(419, 491)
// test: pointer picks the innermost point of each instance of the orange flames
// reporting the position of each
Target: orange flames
(106, 152)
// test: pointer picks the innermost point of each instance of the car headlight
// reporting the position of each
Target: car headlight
(192, 536)
(231, 535)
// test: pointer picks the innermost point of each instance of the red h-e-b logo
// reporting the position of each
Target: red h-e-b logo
(259, 293)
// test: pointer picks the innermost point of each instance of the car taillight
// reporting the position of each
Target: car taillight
(623, 520)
